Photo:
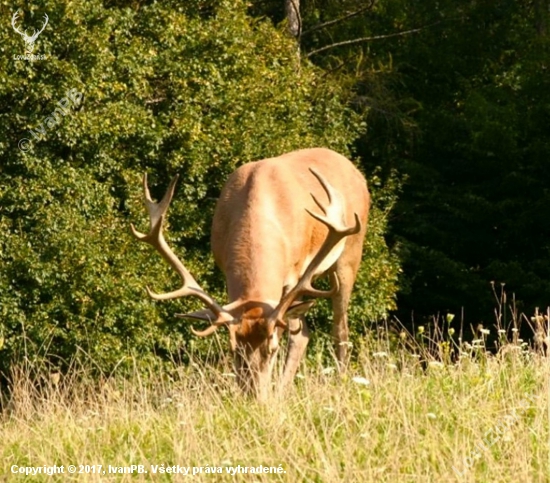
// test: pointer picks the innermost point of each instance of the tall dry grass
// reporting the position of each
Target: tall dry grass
(395, 417)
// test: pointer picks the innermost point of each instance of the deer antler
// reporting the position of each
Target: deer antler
(333, 220)
(155, 238)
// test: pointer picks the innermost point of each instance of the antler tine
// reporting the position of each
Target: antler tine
(285, 326)
(157, 210)
(208, 331)
(337, 231)
(214, 325)
(155, 238)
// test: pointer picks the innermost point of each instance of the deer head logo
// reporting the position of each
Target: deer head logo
(29, 39)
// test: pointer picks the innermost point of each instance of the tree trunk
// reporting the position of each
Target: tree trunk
(542, 8)
(292, 12)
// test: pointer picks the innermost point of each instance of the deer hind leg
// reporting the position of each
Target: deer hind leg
(346, 268)
(297, 344)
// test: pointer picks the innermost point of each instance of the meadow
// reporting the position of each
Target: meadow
(441, 104)
(398, 415)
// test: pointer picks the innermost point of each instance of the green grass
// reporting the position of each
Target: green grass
(403, 422)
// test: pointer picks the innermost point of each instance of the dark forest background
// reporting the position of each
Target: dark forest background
(457, 102)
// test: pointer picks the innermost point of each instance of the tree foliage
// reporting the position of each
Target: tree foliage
(195, 88)
(457, 105)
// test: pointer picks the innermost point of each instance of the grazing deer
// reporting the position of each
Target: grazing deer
(271, 242)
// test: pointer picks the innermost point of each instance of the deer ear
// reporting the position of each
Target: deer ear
(298, 309)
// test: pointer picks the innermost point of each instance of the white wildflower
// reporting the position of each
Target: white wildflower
(361, 380)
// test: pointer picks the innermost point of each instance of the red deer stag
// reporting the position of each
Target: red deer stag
(270, 241)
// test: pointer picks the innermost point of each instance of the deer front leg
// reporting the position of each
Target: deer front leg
(340, 334)
(297, 345)
(340, 302)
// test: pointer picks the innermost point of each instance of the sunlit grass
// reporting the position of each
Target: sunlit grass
(392, 418)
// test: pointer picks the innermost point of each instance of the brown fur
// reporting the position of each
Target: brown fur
(262, 235)
(264, 238)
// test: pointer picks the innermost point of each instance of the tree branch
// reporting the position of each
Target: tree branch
(368, 39)
(341, 19)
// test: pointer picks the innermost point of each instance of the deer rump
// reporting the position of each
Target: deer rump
(278, 224)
